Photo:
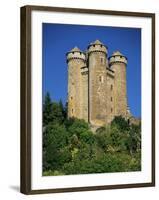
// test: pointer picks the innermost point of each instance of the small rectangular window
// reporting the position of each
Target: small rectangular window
(72, 111)
(101, 79)
(111, 110)
(111, 98)
(111, 87)
(102, 60)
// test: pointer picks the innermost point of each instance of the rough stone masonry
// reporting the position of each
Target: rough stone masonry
(97, 84)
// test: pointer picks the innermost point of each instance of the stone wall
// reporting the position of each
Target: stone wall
(84, 85)
(120, 94)
(110, 96)
(75, 95)
(96, 91)
(97, 88)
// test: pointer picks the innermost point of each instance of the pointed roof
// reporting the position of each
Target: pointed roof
(75, 49)
(97, 42)
(119, 57)
(117, 53)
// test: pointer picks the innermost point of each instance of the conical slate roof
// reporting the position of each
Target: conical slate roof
(96, 42)
(117, 56)
(75, 49)
(117, 53)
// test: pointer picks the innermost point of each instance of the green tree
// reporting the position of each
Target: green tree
(76, 126)
(103, 138)
(47, 110)
(134, 141)
(63, 111)
(121, 122)
(119, 138)
(55, 151)
(53, 112)
(110, 162)
(57, 113)
(111, 138)
(70, 147)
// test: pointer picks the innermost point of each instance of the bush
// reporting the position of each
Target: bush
(117, 162)
(70, 147)
(52, 173)
(55, 152)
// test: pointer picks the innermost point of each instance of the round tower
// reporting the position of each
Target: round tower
(118, 63)
(97, 63)
(76, 60)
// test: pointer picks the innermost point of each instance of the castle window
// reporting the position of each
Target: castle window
(101, 79)
(71, 97)
(102, 60)
(111, 110)
(111, 98)
(111, 87)
(72, 111)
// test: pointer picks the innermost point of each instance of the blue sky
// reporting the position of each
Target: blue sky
(58, 39)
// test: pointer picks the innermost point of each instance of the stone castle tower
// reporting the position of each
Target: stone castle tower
(96, 84)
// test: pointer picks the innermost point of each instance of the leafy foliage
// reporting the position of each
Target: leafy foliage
(70, 147)
(47, 110)
(55, 151)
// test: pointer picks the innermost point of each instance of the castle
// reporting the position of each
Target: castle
(97, 84)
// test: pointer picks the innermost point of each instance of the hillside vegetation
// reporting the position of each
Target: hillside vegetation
(70, 147)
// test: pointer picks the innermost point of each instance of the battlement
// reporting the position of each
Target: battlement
(76, 53)
(97, 46)
(117, 57)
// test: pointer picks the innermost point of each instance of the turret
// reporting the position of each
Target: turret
(97, 46)
(97, 63)
(76, 60)
(118, 63)
(76, 54)
(117, 57)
